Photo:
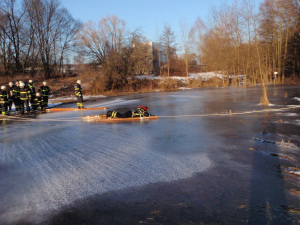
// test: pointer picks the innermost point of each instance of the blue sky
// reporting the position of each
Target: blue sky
(149, 15)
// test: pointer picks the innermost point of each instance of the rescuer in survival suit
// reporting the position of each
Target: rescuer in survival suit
(142, 111)
(78, 94)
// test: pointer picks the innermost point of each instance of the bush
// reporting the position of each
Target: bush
(213, 82)
(195, 83)
(168, 84)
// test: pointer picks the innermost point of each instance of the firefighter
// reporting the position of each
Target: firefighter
(10, 91)
(37, 102)
(16, 95)
(45, 91)
(24, 97)
(32, 90)
(40, 100)
(78, 94)
(142, 111)
(4, 100)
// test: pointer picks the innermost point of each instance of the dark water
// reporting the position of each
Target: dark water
(202, 139)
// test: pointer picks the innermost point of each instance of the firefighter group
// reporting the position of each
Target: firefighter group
(23, 95)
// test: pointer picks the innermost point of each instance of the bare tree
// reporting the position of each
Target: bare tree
(3, 47)
(168, 43)
(197, 33)
(103, 39)
(186, 43)
(53, 28)
(13, 22)
(119, 52)
(69, 27)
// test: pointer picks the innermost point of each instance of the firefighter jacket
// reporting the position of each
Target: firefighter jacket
(78, 90)
(16, 92)
(10, 91)
(37, 101)
(24, 93)
(44, 90)
(3, 97)
(32, 89)
(140, 113)
(40, 101)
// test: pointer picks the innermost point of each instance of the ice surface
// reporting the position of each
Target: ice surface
(51, 164)
(53, 160)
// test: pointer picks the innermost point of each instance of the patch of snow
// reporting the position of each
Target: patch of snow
(288, 114)
(204, 76)
(296, 98)
(183, 88)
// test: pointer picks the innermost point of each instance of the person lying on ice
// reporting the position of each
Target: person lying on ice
(142, 111)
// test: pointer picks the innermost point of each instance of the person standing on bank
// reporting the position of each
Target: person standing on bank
(32, 90)
(45, 91)
(16, 95)
(37, 102)
(78, 94)
(10, 91)
(4, 100)
(24, 97)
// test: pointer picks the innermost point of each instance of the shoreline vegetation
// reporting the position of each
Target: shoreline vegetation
(95, 86)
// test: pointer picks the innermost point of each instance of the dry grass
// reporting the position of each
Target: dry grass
(195, 83)
(96, 83)
(214, 82)
(290, 80)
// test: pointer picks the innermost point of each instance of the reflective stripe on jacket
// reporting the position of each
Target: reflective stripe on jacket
(114, 114)
(16, 92)
(44, 90)
(24, 93)
(3, 97)
(78, 90)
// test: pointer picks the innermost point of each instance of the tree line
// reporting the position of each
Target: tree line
(35, 35)
(236, 40)
(240, 41)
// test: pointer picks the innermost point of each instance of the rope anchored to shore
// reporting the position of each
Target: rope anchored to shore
(230, 113)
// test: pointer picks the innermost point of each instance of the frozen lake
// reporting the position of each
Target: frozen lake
(56, 161)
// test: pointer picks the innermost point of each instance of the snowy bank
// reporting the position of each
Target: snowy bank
(204, 76)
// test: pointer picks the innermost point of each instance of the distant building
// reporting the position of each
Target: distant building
(155, 57)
